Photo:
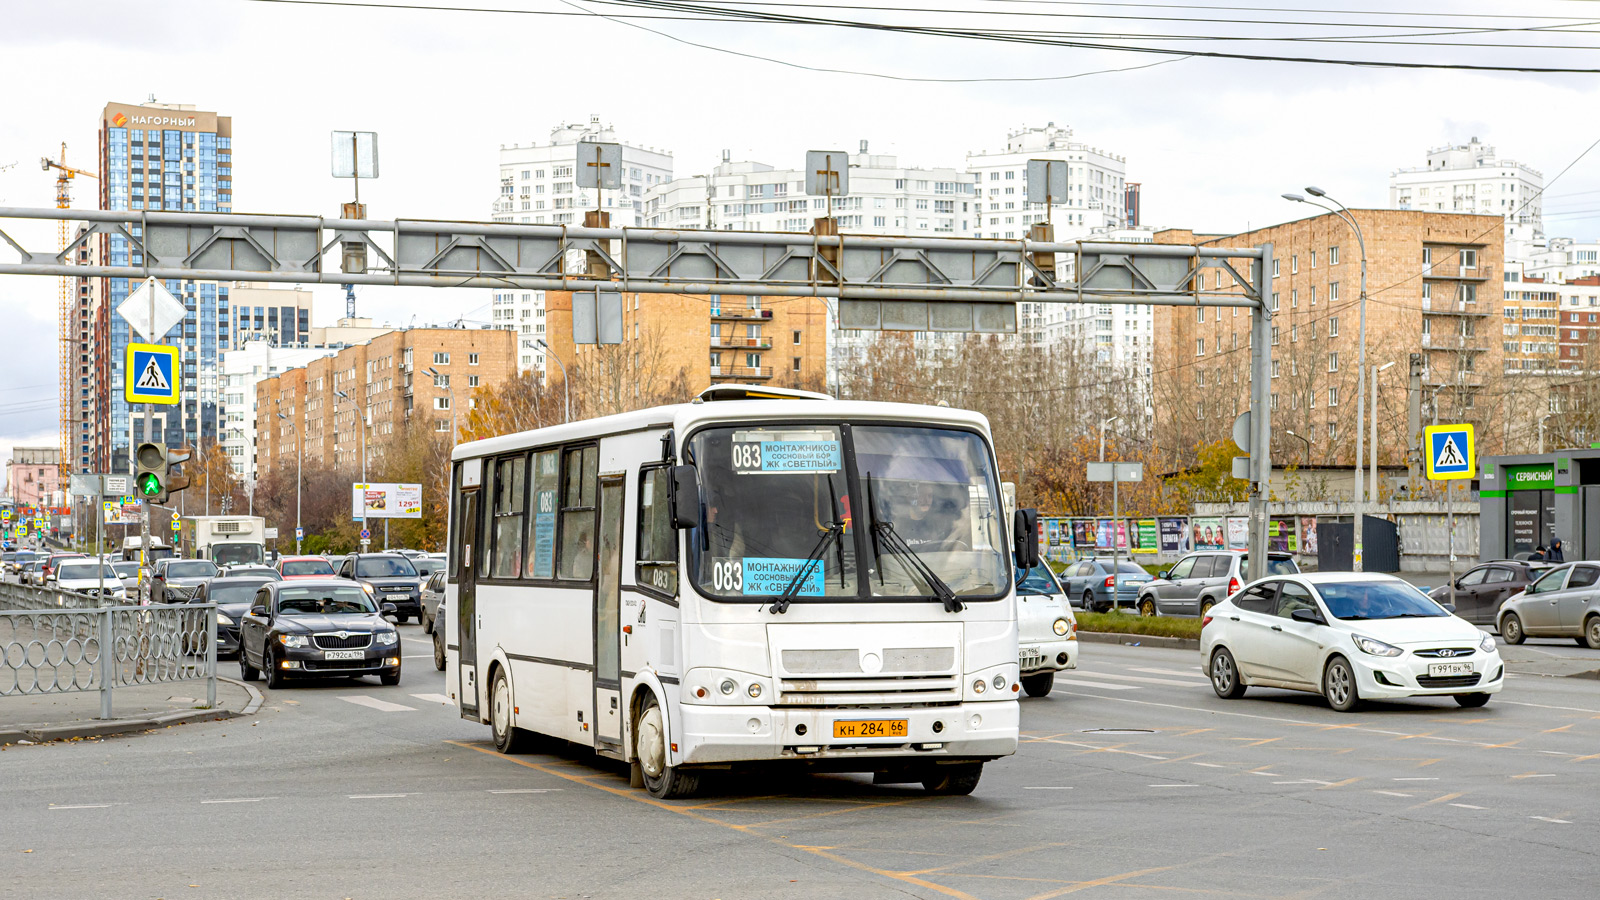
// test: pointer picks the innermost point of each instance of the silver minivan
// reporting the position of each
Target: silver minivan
(1201, 580)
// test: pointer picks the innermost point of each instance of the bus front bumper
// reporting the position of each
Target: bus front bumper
(724, 734)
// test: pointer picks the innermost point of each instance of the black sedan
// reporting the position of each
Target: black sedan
(1485, 586)
(323, 627)
(392, 577)
(234, 597)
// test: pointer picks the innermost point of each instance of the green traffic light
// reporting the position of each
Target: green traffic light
(149, 484)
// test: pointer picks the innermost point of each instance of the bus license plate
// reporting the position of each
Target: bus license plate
(1445, 670)
(341, 654)
(870, 728)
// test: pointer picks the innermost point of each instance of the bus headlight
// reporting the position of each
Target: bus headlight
(754, 690)
(728, 686)
(1061, 626)
(999, 682)
(979, 686)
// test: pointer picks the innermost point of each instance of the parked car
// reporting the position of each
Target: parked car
(305, 567)
(1200, 581)
(328, 627)
(1047, 632)
(392, 578)
(1484, 587)
(1564, 602)
(1348, 636)
(234, 596)
(89, 576)
(432, 596)
(438, 637)
(1088, 583)
(174, 580)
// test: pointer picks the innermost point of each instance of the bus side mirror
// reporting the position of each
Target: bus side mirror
(1024, 533)
(685, 497)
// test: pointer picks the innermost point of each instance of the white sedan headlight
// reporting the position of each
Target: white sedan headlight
(1487, 644)
(1375, 647)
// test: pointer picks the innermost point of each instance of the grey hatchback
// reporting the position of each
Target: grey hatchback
(1564, 602)
(1200, 581)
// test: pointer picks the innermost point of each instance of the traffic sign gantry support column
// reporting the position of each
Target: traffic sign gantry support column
(1260, 413)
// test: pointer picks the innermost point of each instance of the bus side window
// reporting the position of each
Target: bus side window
(580, 489)
(656, 550)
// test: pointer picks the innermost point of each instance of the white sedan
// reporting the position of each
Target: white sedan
(1349, 636)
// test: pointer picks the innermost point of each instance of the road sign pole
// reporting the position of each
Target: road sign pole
(100, 538)
(1450, 527)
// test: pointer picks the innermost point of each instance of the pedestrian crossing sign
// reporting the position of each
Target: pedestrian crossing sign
(150, 375)
(1451, 452)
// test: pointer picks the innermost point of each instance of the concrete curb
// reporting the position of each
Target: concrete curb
(94, 728)
(1141, 640)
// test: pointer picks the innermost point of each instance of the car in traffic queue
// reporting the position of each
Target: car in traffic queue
(438, 629)
(1047, 631)
(128, 573)
(1088, 582)
(233, 596)
(32, 573)
(432, 596)
(1562, 603)
(1201, 580)
(328, 628)
(174, 580)
(21, 558)
(392, 578)
(426, 564)
(52, 560)
(266, 573)
(305, 567)
(1349, 636)
(1483, 588)
(89, 576)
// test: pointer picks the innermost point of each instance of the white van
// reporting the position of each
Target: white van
(1047, 631)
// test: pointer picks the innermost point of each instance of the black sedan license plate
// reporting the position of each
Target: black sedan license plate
(341, 654)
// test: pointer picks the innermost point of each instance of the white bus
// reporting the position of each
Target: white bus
(756, 576)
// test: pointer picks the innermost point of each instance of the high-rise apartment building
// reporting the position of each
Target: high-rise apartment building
(1434, 289)
(538, 186)
(1096, 185)
(158, 156)
(1469, 178)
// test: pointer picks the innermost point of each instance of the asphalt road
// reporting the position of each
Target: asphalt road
(1133, 781)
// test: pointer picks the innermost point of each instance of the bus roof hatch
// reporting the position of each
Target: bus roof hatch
(753, 392)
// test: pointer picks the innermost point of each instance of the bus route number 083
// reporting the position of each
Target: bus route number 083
(747, 457)
(727, 575)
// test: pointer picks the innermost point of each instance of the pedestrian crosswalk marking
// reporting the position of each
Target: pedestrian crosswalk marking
(433, 698)
(379, 705)
(1077, 682)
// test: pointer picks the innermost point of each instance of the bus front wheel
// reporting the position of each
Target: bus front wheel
(953, 781)
(663, 781)
(508, 738)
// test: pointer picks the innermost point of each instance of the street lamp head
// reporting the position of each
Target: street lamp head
(1386, 365)
(430, 371)
(1316, 191)
(282, 416)
(1289, 431)
(1295, 197)
(341, 394)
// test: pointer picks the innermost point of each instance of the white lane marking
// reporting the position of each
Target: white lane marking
(1543, 706)
(1209, 765)
(376, 796)
(1076, 682)
(1548, 819)
(1391, 793)
(1172, 785)
(1154, 671)
(1267, 774)
(527, 791)
(433, 698)
(1305, 781)
(417, 640)
(240, 800)
(1467, 806)
(1413, 779)
(88, 806)
(375, 703)
(1534, 776)
(1141, 679)
(1048, 788)
(417, 656)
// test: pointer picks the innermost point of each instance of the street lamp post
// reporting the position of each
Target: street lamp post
(361, 427)
(1373, 474)
(1302, 439)
(566, 386)
(1116, 511)
(299, 465)
(1361, 356)
(1541, 430)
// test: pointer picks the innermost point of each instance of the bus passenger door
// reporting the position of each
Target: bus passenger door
(607, 617)
(466, 630)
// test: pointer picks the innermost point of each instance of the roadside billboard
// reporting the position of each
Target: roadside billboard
(386, 501)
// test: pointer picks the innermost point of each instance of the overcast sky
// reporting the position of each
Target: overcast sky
(1214, 142)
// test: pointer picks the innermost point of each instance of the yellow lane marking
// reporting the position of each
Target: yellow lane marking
(1506, 744)
(1582, 758)
(1192, 731)
(631, 794)
(1098, 882)
(1263, 741)
(1554, 730)
(1340, 783)
(835, 812)
(1015, 851)
(722, 804)
(1443, 798)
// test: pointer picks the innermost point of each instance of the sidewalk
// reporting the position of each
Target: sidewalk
(36, 718)
(1550, 658)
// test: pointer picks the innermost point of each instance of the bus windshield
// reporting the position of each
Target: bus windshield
(774, 496)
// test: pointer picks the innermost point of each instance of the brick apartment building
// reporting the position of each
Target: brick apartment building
(389, 378)
(704, 339)
(1434, 289)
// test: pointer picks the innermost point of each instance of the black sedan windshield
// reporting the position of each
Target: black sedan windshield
(241, 590)
(1377, 600)
(385, 567)
(193, 568)
(327, 601)
(1037, 580)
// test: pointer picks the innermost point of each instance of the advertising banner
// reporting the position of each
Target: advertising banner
(1280, 534)
(1174, 534)
(1208, 534)
(122, 511)
(386, 501)
(1308, 534)
(1083, 534)
(1146, 537)
(1239, 532)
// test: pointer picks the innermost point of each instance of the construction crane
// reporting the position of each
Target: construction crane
(66, 332)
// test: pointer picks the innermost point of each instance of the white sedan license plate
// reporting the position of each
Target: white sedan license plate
(1445, 670)
(341, 654)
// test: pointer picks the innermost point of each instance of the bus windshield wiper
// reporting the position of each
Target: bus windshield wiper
(835, 533)
(884, 536)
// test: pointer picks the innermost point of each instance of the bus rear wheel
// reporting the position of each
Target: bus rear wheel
(661, 780)
(953, 781)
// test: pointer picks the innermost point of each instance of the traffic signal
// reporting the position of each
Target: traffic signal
(176, 480)
(150, 474)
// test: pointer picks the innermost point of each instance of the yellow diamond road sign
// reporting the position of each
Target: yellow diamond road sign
(1450, 452)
